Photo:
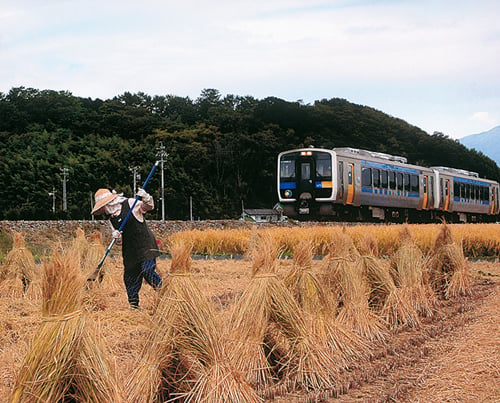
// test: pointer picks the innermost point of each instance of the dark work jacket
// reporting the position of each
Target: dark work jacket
(138, 241)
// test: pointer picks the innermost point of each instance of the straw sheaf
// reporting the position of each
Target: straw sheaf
(320, 308)
(410, 273)
(186, 356)
(388, 300)
(19, 263)
(266, 255)
(66, 359)
(354, 295)
(94, 254)
(268, 323)
(450, 275)
(80, 246)
(304, 284)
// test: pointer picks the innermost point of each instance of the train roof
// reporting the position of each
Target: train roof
(373, 154)
(456, 171)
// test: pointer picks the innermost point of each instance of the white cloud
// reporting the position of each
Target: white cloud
(484, 117)
(433, 63)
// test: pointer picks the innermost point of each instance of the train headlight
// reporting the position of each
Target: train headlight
(287, 193)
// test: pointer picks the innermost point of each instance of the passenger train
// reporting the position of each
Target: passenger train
(349, 184)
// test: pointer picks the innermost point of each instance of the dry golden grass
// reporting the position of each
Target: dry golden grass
(477, 239)
(272, 340)
(67, 358)
(289, 332)
(409, 269)
(186, 357)
(448, 267)
(344, 274)
(19, 265)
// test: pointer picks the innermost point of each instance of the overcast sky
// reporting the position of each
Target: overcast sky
(433, 63)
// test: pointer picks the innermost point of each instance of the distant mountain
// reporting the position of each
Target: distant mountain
(486, 142)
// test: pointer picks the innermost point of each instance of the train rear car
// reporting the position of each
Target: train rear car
(465, 197)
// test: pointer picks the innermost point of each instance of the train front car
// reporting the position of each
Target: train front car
(305, 182)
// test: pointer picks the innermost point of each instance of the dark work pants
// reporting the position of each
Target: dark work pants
(133, 276)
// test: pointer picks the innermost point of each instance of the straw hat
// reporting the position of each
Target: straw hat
(103, 197)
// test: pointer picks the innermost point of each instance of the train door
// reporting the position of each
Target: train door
(306, 169)
(496, 211)
(492, 200)
(341, 180)
(426, 192)
(446, 194)
(350, 183)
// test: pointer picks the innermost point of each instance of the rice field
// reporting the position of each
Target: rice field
(290, 319)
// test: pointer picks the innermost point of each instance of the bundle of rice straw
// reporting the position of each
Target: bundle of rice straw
(270, 332)
(385, 297)
(95, 297)
(94, 254)
(450, 273)
(19, 263)
(320, 307)
(408, 267)
(80, 246)
(186, 357)
(345, 275)
(66, 361)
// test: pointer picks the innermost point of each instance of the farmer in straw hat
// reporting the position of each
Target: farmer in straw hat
(139, 247)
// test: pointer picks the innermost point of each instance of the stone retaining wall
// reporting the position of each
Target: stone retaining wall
(158, 227)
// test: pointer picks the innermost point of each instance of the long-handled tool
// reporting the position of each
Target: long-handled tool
(97, 272)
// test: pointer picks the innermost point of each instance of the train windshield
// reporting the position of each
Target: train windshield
(323, 166)
(287, 168)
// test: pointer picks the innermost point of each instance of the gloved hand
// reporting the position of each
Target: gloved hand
(116, 235)
(145, 197)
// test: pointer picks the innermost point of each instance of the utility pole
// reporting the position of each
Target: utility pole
(53, 194)
(65, 173)
(136, 175)
(191, 208)
(162, 154)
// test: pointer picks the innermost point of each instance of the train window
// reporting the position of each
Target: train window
(287, 169)
(407, 182)
(324, 167)
(462, 190)
(384, 180)
(400, 181)
(456, 188)
(305, 170)
(366, 177)
(467, 191)
(392, 180)
(414, 183)
(376, 178)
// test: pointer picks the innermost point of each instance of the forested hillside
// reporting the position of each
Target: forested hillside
(222, 150)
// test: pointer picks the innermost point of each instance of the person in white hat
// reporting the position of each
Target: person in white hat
(139, 246)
